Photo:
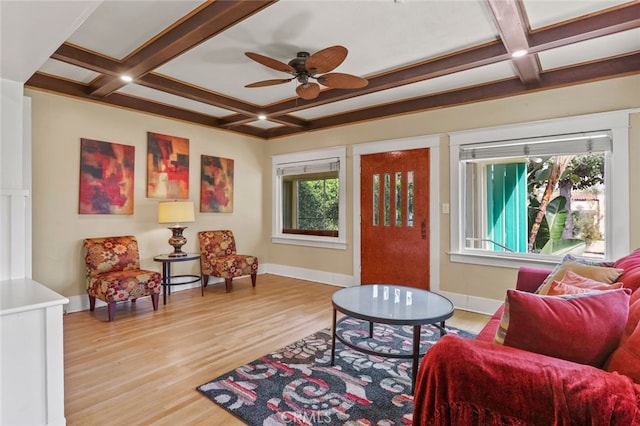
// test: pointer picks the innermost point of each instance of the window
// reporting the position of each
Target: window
(308, 199)
(538, 197)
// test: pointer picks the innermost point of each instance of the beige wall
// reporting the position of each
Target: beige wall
(59, 123)
(58, 229)
(473, 280)
(634, 175)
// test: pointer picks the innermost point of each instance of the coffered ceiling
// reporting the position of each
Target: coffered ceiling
(187, 58)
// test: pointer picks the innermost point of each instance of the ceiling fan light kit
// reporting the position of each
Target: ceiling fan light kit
(305, 67)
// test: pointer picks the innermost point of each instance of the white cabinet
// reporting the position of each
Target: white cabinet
(31, 354)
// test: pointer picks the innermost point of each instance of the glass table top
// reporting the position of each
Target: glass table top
(392, 304)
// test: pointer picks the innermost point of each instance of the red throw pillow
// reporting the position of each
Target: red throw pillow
(574, 279)
(631, 265)
(583, 328)
(558, 288)
(597, 273)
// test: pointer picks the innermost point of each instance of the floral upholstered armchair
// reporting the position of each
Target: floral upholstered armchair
(219, 258)
(114, 274)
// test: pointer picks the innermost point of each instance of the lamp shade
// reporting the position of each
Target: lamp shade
(175, 212)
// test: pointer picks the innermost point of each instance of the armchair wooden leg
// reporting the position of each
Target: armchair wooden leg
(111, 307)
(154, 301)
(228, 283)
(253, 279)
(205, 280)
(92, 303)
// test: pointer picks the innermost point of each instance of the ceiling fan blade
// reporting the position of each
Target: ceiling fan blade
(326, 60)
(337, 80)
(311, 90)
(271, 63)
(269, 82)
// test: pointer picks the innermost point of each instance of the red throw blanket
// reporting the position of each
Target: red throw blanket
(471, 382)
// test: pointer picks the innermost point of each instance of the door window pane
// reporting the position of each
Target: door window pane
(376, 199)
(410, 198)
(398, 198)
(387, 199)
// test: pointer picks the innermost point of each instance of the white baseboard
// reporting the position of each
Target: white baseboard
(81, 301)
(460, 301)
(323, 277)
(476, 304)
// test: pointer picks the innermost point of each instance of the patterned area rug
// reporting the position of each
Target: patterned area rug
(297, 385)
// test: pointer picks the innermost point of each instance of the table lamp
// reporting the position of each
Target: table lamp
(176, 212)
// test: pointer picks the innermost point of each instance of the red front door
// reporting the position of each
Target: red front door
(395, 218)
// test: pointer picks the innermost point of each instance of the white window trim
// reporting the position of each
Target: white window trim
(284, 160)
(617, 228)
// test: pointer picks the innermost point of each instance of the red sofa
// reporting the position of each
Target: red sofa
(479, 382)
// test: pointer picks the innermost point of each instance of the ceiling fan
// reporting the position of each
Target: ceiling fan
(305, 67)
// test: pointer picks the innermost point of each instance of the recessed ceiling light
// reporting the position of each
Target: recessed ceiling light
(126, 78)
(262, 117)
(519, 53)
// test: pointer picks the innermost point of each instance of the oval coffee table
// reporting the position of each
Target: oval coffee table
(393, 305)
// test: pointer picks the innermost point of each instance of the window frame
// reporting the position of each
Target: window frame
(616, 187)
(301, 159)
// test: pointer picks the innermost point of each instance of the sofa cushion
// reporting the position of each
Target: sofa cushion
(626, 358)
(631, 265)
(602, 274)
(583, 328)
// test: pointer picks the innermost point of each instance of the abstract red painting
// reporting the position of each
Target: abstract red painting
(167, 166)
(106, 177)
(216, 185)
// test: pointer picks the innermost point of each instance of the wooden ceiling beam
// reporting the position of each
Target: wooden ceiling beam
(608, 22)
(76, 56)
(69, 88)
(611, 21)
(178, 88)
(599, 70)
(285, 120)
(617, 67)
(79, 57)
(50, 83)
(470, 58)
(513, 26)
(212, 19)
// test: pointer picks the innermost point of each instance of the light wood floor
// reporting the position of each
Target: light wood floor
(144, 367)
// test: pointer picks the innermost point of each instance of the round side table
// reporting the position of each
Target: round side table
(167, 278)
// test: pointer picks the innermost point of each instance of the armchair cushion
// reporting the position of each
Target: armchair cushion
(111, 254)
(233, 265)
(117, 286)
